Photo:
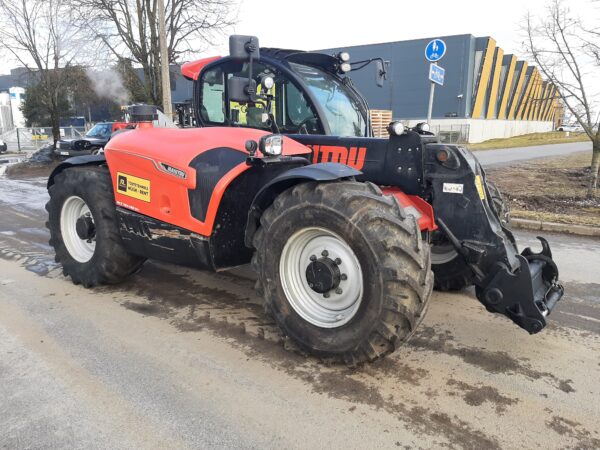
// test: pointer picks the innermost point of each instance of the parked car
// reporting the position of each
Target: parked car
(93, 141)
(572, 127)
(3, 146)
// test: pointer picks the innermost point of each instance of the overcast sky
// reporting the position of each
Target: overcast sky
(315, 24)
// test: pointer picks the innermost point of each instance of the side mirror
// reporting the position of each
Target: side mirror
(380, 72)
(241, 90)
(242, 48)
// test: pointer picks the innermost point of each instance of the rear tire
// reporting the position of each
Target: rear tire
(451, 271)
(101, 258)
(373, 243)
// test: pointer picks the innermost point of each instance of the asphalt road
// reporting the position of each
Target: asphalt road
(506, 156)
(176, 358)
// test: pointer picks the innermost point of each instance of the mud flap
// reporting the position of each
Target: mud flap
(526, 295)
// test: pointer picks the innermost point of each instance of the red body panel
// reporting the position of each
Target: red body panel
(119, 126)
(192, 69)
(427, 220)
(140, 152)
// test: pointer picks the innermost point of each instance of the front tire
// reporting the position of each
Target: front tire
(342, 269)
(83, 225)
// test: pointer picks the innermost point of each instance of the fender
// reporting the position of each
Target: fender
(84, 160)
(266, 195)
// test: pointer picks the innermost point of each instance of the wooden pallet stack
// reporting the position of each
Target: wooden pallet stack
(380, 119)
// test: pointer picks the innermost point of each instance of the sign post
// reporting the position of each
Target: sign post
(435, 50)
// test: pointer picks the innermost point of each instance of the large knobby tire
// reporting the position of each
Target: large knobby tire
(451, 271)
(101, 258)
(374, 244)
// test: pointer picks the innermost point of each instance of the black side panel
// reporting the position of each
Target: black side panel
(397, 161)
(210, 167)
(227, 240)
(154, 239)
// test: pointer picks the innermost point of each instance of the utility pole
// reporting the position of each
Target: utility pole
(164, 61)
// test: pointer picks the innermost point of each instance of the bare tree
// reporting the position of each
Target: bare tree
(565, 52)
(37, 35)
(129, 30)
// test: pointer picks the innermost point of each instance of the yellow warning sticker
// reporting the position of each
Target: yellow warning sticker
(133, 186)
(479, 186)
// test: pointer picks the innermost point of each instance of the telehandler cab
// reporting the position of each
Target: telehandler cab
(341, 228)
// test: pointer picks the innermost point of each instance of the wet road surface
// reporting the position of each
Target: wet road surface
(177, 358)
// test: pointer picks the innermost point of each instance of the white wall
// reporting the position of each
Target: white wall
(16, 101)
(483, 129)
(6, 122)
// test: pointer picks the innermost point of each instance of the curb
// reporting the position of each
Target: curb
(537, 225)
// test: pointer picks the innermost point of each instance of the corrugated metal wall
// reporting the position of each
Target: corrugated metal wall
(481, 81)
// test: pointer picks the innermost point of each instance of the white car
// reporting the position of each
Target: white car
(571, 127)
(3, 146)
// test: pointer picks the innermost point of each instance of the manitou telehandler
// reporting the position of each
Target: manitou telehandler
(283, 171)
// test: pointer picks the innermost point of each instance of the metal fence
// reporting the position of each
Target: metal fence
(452, 134)
(34, 138)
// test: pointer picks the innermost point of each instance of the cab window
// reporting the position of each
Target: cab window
(213, 94)
(299, 116)
(291, 109)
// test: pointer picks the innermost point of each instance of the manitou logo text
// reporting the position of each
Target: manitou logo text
(353, 157)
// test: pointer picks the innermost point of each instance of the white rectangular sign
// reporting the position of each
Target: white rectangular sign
(453, 188)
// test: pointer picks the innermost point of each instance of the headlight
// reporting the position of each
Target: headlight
(271, 145)
(345, 67)
(58, 144)
(396, 128)
(344, 56)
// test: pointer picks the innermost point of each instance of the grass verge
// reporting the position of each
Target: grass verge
(527, 140)
(550, 190)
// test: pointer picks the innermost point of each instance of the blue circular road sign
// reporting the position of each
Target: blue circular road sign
(435, 50)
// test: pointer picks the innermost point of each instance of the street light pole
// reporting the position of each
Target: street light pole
(164, 61)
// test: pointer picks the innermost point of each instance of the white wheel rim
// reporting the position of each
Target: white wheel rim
(442, 254)
(317, 309)
(80, 250)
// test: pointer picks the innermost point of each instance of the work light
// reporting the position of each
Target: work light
(396, 128)
(423, 126)
(344, 56)
(267, 82)
(271, 145)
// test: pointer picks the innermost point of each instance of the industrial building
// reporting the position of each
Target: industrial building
(486, 93)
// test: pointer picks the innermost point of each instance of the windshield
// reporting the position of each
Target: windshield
(342, 110)
(100, 130)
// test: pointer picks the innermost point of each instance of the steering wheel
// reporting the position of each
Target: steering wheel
(304, 123)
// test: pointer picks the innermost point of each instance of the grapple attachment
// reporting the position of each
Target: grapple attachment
(526, 295)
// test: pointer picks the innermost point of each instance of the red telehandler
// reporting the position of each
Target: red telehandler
(341, 227)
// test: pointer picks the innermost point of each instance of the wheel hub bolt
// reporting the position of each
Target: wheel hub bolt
(344, 276)
(313, 258)
(326, 295)
(310, 285)
(338, 291)
(338, 261)
(325, 253)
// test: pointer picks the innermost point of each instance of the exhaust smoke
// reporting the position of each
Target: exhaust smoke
(109, 84)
